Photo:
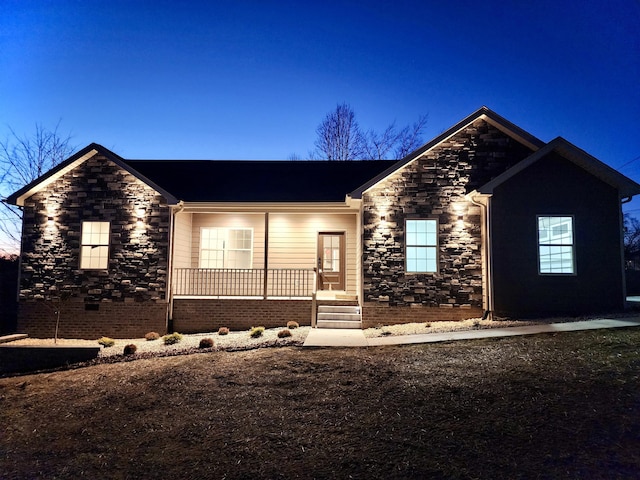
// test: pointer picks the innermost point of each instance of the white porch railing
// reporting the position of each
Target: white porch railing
(250, 282)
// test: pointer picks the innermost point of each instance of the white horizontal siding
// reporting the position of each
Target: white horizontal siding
(293, 238)
(224, 220)
(182, 240)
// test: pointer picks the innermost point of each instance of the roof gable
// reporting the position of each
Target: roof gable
(310, 181)
(625, 186)
(482, 113)
(18, 198)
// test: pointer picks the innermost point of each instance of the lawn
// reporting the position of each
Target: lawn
(546, 406)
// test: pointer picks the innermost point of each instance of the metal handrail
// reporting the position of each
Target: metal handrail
(245, 282)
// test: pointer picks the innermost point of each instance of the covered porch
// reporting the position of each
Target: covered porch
(249, 264)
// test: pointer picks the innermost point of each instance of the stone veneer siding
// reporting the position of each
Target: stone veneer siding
(433, 186)
(135, 282)
(208, 315)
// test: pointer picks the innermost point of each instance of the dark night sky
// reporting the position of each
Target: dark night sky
(252, 79)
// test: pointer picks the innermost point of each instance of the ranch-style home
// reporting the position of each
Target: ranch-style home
(483, 220)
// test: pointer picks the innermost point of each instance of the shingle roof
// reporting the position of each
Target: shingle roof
(259, 181)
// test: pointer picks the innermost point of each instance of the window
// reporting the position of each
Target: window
(94, 247)
(556, 245)
(422, 246)
(331, 253)
(226, 247)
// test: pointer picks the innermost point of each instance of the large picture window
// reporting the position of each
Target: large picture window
(556, 249)
(94, 247)
(421, 246)
(226, 247)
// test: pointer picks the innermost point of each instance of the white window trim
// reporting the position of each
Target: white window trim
(94, 245)
(436, 247)
(574, 266)
(225, 249)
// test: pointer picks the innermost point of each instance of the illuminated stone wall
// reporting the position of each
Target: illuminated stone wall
(97, 190)
(434, 187)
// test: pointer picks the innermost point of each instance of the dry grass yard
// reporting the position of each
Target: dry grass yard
(547, 406)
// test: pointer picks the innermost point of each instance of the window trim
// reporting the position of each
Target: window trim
(436, 247)
(82, 245)
(574, 263)
(224, 248)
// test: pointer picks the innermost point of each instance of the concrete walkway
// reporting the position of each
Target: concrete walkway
(335, 337)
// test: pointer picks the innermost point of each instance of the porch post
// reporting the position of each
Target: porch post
(266, 254)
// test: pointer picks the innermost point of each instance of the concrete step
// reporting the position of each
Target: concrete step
(338, 324)
(13, 337)
(338, 309)
(339, 316)
(349, 317)
(346, 296)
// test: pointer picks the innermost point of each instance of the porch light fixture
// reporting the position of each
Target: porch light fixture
(52, 211)
(383, 211)
(140, 216)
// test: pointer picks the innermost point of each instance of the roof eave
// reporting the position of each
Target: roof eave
(483, 113)
(625, 186)
(18, 198)
(261, 207)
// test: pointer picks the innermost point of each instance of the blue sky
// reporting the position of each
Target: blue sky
(252, 79)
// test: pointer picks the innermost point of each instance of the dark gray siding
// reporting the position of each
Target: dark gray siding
(556, 186)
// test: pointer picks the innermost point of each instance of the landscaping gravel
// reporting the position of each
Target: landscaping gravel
(241, 340)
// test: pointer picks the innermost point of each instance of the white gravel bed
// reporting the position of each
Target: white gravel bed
(442, 327)
(477, 324)
(242, 339)
(233, 340)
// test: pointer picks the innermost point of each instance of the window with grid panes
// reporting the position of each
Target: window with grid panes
(226, 247)
(94, 246)
(421, 244)
(556, 248)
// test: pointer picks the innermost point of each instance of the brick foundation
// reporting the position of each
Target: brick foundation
(115, 320)
(208, 315)
(374, 314)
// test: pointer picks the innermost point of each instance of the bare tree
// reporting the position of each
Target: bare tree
(341, 138)
(378, 145)
(410, 137)
(22, 160)
(393, 143)
(339, 135)
(631, 241)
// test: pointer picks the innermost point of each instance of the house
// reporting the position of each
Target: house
(485, 219)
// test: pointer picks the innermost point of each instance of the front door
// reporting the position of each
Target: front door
(331, 261)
